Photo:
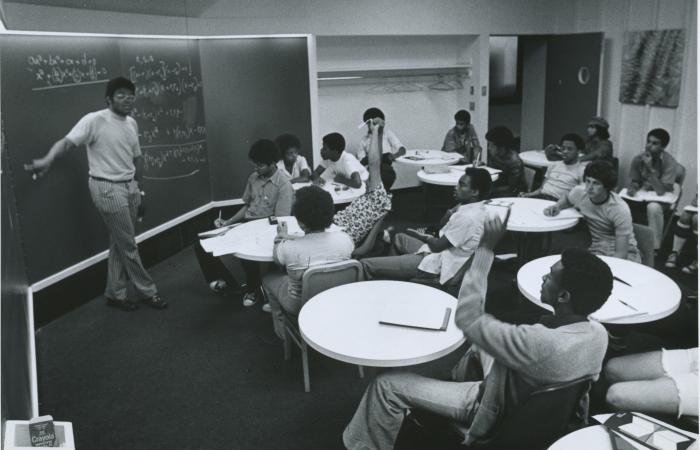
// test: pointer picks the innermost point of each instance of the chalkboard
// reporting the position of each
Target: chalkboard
(255, 88)
(48, 84)
(200, 104)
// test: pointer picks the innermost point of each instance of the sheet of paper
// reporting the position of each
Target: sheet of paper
(650, 196)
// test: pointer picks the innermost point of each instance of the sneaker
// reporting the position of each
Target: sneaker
(249, 299)
(124, 305)
(155, 302)
(218, 285)
(672, 260)
(692, 268)
(266, 308)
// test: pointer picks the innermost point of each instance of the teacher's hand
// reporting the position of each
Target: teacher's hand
(38, 166)
(218, 223)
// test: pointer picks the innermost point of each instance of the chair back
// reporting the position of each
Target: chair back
(645, 243)
(367, 244)
(540, 419)
(319, 278)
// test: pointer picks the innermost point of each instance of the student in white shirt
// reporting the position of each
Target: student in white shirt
(562, 176)
(425, 256)
(292, 164)
(338, 165)
(389, 146)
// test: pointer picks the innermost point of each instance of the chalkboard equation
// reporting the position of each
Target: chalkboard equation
(175, 132)
(174, 161)
(154, 77)
(53, 71)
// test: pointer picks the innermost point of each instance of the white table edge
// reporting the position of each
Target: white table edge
(383, 363)
(636, 320)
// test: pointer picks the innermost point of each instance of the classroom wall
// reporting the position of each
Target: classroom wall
(630, 123)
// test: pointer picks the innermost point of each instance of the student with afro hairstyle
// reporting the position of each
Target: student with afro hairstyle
(292, 164)
(313, 209)
(606, 214)
(267, 193)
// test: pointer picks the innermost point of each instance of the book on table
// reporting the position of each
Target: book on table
(420, 317)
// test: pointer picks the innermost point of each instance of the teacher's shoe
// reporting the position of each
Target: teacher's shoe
(155, 302)
(124, 305)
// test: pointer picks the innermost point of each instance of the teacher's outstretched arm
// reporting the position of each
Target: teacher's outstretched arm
(42, 165)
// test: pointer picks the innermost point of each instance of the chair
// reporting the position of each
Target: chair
(364, 249)
(452, 285)
(645, 242)
(668, 215)
(541, 418)
(315, 280)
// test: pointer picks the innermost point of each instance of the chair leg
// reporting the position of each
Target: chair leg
(361, 371)
(305, 367)
(287, 345)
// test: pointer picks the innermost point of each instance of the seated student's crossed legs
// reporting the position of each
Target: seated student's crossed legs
(381, 411)
(402, 265)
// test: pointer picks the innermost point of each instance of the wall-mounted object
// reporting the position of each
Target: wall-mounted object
(652, 64)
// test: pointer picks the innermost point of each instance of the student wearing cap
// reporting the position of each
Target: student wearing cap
(598, 145)
(462, 138)
(502, 156)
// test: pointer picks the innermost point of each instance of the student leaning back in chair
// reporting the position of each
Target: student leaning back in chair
(515, 360)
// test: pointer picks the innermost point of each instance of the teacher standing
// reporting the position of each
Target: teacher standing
(115, 170)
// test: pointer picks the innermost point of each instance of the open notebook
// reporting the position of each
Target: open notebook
(409, 316)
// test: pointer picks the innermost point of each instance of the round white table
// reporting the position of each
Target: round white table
(652, 295)
(452, 177)
(254, 240)
(340, 192)
(596, 437)
(526, 215)
(536, 159)
(429, 158)
(343, 323)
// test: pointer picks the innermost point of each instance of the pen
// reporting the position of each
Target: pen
(627, 304)
(621, 281)
(363, 123)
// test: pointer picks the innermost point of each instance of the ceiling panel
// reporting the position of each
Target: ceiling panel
(180, 8)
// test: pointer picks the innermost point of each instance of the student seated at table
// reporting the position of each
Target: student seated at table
(505, 362)
(313, 209)
(606, 214)
(267, 193)
(358, 218)
(292, 164)
(462, 138)
(338, 165)
(424, 256)
(390, 146)
(654, 170)
(598, 145)
(681, 232)
(501, 156)
(564, 175)
(663, 381)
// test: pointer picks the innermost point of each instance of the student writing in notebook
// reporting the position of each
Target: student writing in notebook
(606, 214)
(267, 193)
(292, 164)
(338, 165)
(424, 256)
(654, 170)
(506, 362)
